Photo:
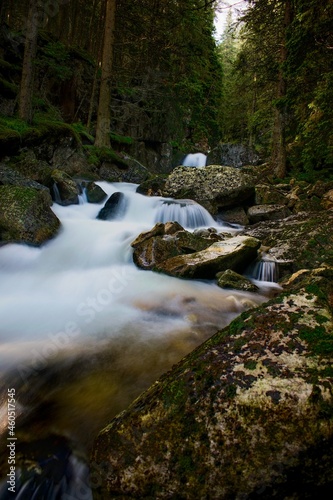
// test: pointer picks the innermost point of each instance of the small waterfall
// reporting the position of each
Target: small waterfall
(195, 160)
(265, 270)
(57, 197)
(187, 212)
(83, 197)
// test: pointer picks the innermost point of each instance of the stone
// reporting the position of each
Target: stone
(67, 191)
(234, 253)
(236, 215)
(163, 242)
(235, 281)
(11, 177)
(259, 213)
(26, 216)
(327, 201)
(214, 187)
(95, 194)
(153, 186)
(114, 207)
(266, 194)
(247, 414)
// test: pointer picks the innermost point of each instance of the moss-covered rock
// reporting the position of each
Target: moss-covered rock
(235, 281)
(163, 242)
(259, 213)
(95, 193)
(153, 186)
(214, 187)
(25, 215)
(66, 190)
(248, 414)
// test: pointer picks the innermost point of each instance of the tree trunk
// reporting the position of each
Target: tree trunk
(27, 79)
(104, 112)
(278, 157)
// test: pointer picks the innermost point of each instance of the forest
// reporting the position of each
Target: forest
(153, 71)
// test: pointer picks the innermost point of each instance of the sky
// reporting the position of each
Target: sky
(221, 14)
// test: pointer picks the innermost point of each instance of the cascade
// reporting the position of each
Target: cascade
(195, 160)
(265, 270)
(57, 197)
(188, 213)
(77, 311)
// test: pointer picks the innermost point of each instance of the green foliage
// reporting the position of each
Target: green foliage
(54, 58)
(97, 155)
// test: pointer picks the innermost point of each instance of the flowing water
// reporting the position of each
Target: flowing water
(195, 160)
(84, 332)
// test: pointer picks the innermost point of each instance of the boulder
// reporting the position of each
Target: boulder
(26, 216)
(248, 414)
(163, 242)
(65, 189)
(69, 158)
(259, 213)
(214, 187)
(327, 201)
(30, 167)
(234, 253)
(95, 193)
(153, 186)
(114, 208)
(235, 281)
(9, 176)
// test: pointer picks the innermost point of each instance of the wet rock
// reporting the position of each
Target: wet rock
(235, 215)
(214, 187)
(235, 281)
(114, 208)
(66, 192)
(259, 213)
(234, 253)
(26, 216)
(163, 242)
(248, 413)
(153, 186)
(95, 193)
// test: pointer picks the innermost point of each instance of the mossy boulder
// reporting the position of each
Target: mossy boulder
(235, 281)
(26, 216)
(214, 187)
(154, 186)
(165, 241)
(248, 414)
(234, 253)
(10, 176)
(95, 194)
(68, 191)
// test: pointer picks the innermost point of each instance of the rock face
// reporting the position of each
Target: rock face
(234, 253)
(248, 414)
(25, 215)
(233, 155)
(304, 240)
(214, 187)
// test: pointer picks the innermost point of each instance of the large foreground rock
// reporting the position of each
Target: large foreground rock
(26, 216)
(233, 253)
(248, 414)
(214, 187)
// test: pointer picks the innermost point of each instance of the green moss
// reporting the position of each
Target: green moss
(251, 364)
(318, 339)
(97, 155)
(121, 139)
(230, 391)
